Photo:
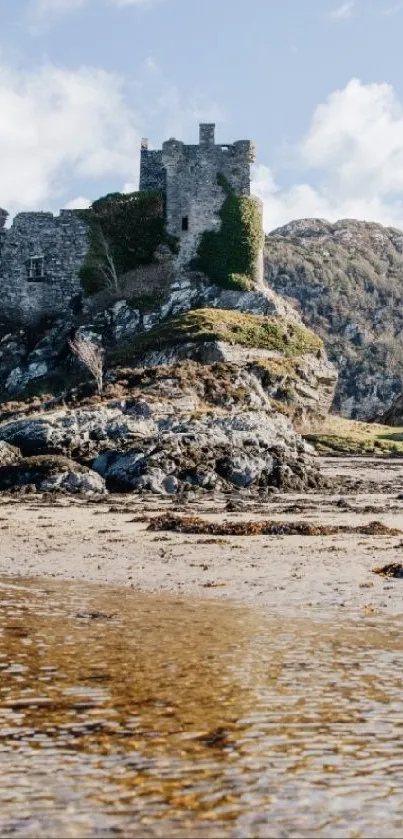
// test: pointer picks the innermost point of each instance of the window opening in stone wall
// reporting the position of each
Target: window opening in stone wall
(36, 269)
(185, 224)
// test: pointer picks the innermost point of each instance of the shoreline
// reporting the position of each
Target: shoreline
(107, 542)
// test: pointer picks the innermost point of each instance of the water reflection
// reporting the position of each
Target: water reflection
(133, 715)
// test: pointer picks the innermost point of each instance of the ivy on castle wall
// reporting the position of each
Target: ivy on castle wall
(229, 256)
(125, 230)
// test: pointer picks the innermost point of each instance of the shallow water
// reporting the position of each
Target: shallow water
(135, 715)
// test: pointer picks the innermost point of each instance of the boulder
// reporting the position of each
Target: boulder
(31, 365)
(244, 450)
(50, 474)
(79, 431)
(8, 454)
(185, 425)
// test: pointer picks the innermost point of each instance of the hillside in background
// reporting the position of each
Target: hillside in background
(346, 280)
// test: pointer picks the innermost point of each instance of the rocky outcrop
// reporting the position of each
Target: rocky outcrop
(346, 281)
(244, 450)
(27, 361)
(304, 386)
(201, 392)
(27, 357)
(167, 429)
(394, 415)
(8, 454)
(50, 474)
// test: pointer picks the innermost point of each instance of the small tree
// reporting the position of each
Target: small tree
(92, 356)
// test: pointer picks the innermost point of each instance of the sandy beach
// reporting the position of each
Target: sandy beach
(109, 541)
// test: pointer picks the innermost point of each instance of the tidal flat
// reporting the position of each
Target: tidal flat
(317, 559)
(138, 715)
(156, 682)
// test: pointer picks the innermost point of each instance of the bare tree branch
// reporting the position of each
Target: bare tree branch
(108, 270)
(92, 356)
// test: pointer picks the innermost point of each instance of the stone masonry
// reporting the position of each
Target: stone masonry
(187, 176)
(41, 255)
(40, 260)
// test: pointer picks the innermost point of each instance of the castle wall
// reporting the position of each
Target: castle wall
(41, 255)
(152, 172)
(40, 243)
(3, 219)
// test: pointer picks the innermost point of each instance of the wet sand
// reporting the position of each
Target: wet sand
(125, 714)
(109, 542)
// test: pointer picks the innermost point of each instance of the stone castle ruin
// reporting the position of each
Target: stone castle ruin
(41, 255)
(40, 260)
(187, 176)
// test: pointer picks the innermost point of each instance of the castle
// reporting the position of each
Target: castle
(41, 255)
(187, 176)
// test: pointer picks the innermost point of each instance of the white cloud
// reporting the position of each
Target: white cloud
(60, 127)
(59, 124)
(178, 116)
(342, 12)
(351, 161)
(79, 203)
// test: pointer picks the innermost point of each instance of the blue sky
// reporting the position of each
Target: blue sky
(315, 83)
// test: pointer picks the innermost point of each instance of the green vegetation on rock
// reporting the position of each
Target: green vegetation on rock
(347, 280)
(229, 256)
(201, 325)
(125, 232)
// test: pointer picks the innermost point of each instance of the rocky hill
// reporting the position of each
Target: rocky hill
(346, 280)
(204, 391)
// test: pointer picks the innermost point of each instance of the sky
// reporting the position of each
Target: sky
(316, 84)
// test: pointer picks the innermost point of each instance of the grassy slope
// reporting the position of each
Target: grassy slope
(199, 325)
(341, 436)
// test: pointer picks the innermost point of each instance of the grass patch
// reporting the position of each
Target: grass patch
(342, 436)
(200, 325)
(277, 368)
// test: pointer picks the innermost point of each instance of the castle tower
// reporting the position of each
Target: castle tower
(187, 176)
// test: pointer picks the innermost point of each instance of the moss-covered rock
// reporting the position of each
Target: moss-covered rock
(278, 335)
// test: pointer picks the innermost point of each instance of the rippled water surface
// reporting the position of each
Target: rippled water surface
(132, 715)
